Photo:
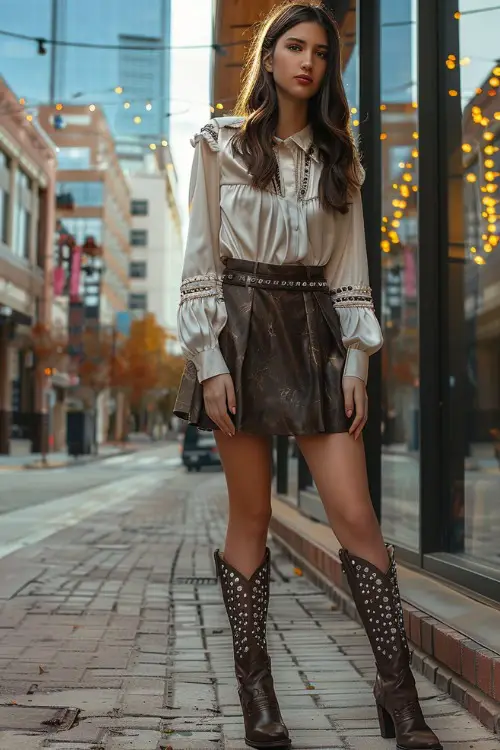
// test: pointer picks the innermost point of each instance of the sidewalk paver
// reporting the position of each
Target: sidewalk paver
(124, 622)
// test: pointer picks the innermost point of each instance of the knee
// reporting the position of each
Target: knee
(357, 518)
(253, 515)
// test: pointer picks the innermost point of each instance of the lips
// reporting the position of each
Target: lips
(304, 79)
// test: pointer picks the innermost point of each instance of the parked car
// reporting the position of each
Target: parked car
(199, 449)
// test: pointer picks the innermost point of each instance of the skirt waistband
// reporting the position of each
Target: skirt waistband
(270, 275)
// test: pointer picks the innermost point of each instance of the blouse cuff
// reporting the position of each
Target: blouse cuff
(356, 364)
(210, 363)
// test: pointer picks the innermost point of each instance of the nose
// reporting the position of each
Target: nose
(306, 65)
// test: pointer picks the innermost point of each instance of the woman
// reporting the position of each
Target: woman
(277, 324)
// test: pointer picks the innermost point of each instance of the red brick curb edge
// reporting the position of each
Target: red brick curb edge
(456, 664)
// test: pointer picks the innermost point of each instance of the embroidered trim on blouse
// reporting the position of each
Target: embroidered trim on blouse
(276, 181)
(305, 178)
(302, 175)
(353, 295)
(208, 133)
(197, 287)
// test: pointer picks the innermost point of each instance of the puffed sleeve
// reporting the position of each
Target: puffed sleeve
(347, 276)
(202, 312)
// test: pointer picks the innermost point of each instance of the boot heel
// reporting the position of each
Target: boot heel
(387, 730)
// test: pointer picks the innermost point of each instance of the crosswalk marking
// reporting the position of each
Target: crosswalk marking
(25, 526)
(136, 461)
(119, 459)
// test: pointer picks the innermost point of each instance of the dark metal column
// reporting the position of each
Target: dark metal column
(282, 464)
(369, 129)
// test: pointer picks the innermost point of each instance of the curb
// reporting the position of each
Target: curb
(457, 665)
(74, 462)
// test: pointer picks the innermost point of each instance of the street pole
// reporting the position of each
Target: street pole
(53, 54)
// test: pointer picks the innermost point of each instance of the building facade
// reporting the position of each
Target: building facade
(91, 284)
(93, 203)
(423, 81)
(27, 221)
(156, 248)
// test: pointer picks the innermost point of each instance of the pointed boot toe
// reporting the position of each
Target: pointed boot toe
(377, 599)
(247, 601)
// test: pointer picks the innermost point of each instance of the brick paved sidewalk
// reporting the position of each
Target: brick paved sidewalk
(114, 628)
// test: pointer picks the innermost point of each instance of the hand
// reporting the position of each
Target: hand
(218, 395)
(355, 399)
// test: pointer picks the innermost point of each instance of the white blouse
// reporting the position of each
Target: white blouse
(282, 224)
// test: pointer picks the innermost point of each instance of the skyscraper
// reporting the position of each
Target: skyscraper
(113, 54)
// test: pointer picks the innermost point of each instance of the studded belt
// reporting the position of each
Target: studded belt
(264, 282)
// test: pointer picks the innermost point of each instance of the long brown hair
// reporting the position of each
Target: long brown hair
(329, 114)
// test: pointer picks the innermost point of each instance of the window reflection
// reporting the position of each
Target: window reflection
(399, 249)
(476, 521)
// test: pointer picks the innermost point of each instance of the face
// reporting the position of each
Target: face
(299, 61)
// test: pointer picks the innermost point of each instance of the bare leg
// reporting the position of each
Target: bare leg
(249, 498)
(246, 460)
(337, 463)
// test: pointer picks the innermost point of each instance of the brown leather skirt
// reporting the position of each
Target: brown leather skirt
(282, 344)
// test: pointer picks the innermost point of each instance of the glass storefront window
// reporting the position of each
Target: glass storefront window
(399, 257)
(474, 280)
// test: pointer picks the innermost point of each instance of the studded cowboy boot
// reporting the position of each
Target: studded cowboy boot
(246, 603)
(378, 602)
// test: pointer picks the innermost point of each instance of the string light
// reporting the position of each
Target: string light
(126, 105)
(92, 107)
(149, 106)
(119, 90)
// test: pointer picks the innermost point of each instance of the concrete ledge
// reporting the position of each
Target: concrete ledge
(455, 662)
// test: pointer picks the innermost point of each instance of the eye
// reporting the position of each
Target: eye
(294, 47)
(323, 55)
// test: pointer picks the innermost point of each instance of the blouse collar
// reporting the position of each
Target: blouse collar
(303, 139)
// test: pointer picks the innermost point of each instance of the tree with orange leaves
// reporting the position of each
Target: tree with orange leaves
(144, 367)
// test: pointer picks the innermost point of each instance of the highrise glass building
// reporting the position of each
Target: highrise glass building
(127, 73)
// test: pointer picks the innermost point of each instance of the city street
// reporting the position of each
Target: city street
(113, 635)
